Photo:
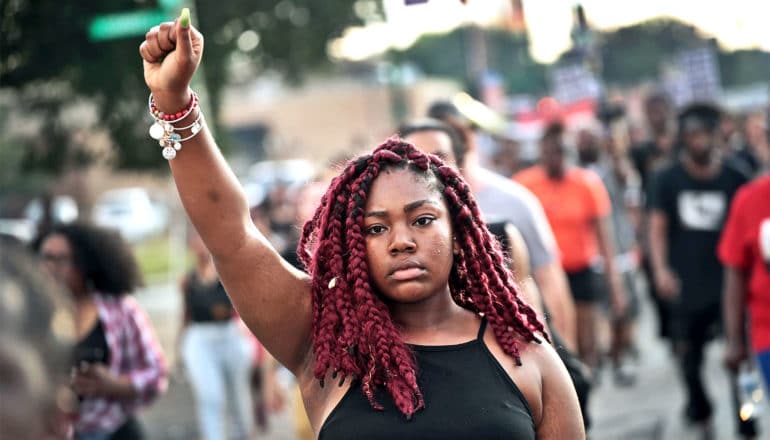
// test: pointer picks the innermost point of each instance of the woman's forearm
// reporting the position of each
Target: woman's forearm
(209, 190)
(734, 303)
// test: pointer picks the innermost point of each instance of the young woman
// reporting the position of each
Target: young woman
(408, 324)
(119, 365)
(218, 354)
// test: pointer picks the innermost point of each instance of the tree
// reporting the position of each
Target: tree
(744, 67)
(48, 62)
(507, 54)
(634, 53)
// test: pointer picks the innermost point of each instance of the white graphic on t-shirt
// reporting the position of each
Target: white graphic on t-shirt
(702, 210)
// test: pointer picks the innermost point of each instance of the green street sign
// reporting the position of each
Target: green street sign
(169, 4)
(124, 24)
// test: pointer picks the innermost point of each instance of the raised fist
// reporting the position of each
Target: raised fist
(171, 53)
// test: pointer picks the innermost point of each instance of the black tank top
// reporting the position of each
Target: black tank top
(93, 348)
(207, 302)
(468, 395)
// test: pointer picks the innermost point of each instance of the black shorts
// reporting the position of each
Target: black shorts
(587, 285)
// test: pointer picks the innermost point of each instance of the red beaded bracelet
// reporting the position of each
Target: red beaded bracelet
(173, 117)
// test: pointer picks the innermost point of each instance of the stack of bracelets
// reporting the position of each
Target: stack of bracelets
(166, 133)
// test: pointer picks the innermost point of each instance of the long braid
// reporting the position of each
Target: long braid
(499, 295)
(353, 332)
(494, 251)
(329, 310)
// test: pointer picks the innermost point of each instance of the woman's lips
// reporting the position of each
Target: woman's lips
(407, 274)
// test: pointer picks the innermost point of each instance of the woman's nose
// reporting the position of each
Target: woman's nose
(402, 241)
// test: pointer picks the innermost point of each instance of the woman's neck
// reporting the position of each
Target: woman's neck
(427, 319)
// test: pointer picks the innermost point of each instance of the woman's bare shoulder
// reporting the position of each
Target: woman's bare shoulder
(541, 353)
(557, 392)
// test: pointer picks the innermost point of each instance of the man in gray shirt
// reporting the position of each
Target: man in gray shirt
(502, 199)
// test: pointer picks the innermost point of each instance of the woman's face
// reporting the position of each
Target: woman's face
(408, 235)
(59, 260)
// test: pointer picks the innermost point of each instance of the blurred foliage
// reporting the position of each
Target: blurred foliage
(49, 62)
(744, 67)
(653, 42)
(507, 54)
(634, 53)
(630, 55)
(155, 258)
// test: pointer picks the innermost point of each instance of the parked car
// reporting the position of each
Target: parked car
(24, 224)
(289, 172)
(262, 177)
(132, 212)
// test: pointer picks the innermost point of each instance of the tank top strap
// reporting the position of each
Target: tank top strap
(482, 329)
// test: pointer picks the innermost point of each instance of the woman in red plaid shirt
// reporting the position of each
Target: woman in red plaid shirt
(119, 366)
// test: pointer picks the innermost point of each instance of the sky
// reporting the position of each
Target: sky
(736, 24)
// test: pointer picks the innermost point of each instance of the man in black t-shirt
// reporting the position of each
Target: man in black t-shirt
(689, 201)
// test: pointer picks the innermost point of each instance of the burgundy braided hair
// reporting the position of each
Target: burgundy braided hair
(353, 333)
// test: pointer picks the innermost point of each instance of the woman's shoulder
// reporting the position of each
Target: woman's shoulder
(542, 353)
(540, 356)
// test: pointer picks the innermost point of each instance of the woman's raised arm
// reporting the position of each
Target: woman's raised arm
(271, 297)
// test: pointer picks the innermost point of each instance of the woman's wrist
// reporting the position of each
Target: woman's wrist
(171, 102)
(121, 388)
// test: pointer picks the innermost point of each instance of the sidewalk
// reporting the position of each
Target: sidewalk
(649, 410)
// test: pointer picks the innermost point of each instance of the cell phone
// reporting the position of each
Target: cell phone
(89, 355)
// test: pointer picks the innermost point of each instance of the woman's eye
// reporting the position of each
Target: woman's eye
(424, 221)
(374, 230)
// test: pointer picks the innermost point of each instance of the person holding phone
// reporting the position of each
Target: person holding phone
(119, 366)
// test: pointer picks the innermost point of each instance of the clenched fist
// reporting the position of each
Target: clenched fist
(171, 53)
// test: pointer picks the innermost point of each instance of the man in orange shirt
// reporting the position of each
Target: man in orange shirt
(578, 208)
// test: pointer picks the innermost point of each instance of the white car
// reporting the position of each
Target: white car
(263, 176)
(285, 172)
(132, 212)
(64, 210)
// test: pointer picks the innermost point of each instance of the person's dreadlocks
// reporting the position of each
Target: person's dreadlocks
(353, 333)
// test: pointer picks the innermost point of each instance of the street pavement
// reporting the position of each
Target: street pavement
(649, 410)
